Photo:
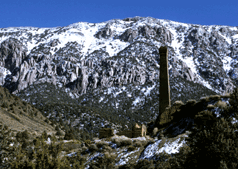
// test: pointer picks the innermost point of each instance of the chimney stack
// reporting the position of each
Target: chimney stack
(164, 89)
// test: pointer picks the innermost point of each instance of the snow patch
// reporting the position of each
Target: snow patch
(153, 149)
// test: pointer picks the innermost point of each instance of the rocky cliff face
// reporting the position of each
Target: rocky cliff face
(85, 57)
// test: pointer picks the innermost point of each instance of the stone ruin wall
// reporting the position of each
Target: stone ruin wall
(105, 133)
(137, 131)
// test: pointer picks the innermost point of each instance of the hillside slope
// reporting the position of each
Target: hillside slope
(19, 115)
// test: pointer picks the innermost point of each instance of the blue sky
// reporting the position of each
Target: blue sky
(53, 13)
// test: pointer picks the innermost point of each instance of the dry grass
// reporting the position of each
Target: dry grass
(21, 122)
(19, 115)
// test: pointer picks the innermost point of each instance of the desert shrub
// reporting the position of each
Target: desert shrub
(121, 141)
(107, 148)
(47, 121)
(117, 141)
(25, 134)
(178, 159)
(93, 148)
(101, 143)
(167, 161)
(13, 111)
(5, 104)
(137, 143)
(57, 128)
(59, 133)
(69, 135)
(144, 142)
(11, 108)
(19, 137)
(34, 140)
(87, 142)
(221, 104)
(44, 135)
(155, 131)
(145, 164)
(71, 146)
(84, 150)
(106, 162)
(7, 151)
(25, 143)
(162, 142)
(126, 142)
(127, 166)
(77, 161)
(147, 142)
(43, 156)
(131, 148)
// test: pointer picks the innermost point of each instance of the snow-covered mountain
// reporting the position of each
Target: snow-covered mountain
(115, 64)
(92, 75)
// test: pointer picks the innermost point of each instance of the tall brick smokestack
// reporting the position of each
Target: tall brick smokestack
(164, 89)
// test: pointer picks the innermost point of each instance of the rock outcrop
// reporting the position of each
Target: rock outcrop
(160, 33)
